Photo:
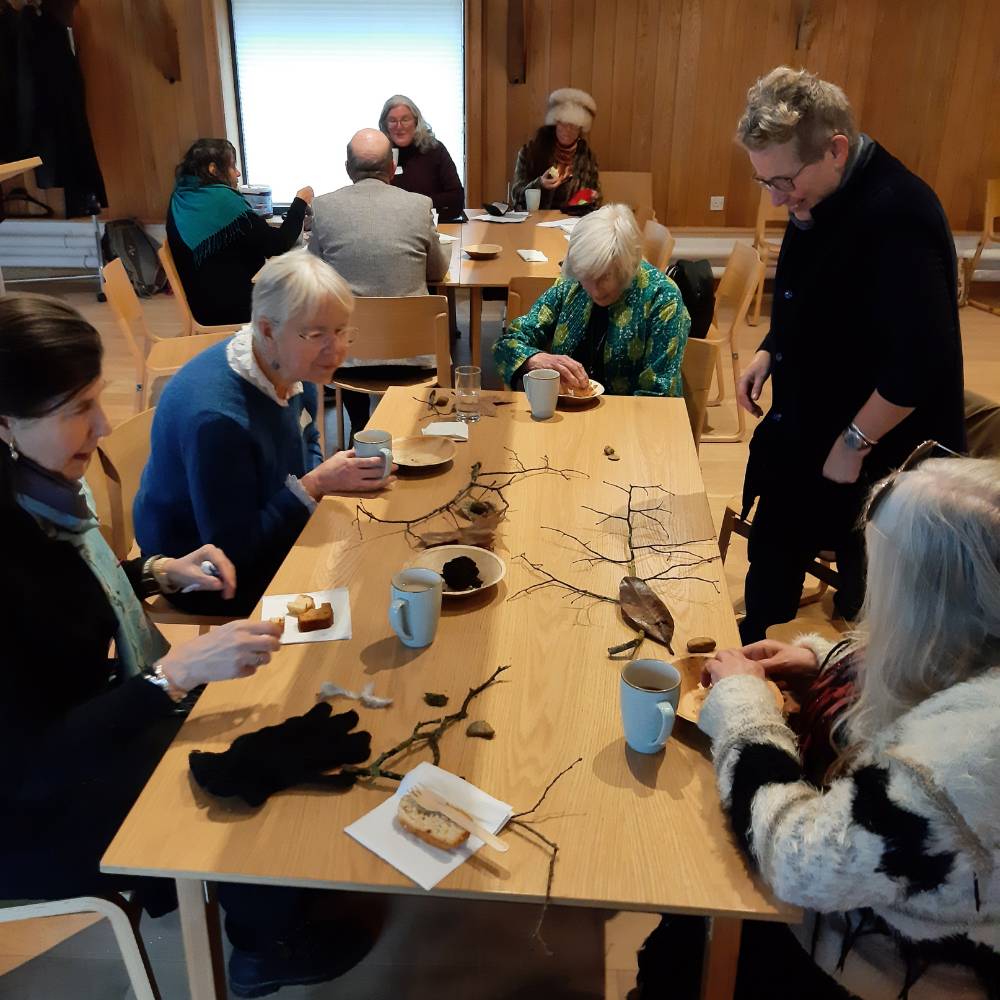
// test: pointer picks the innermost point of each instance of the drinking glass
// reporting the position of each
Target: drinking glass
(467, 386)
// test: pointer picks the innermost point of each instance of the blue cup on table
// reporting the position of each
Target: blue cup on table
(650, 692)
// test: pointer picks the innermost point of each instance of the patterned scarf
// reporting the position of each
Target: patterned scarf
(208, 216)
(565, 154)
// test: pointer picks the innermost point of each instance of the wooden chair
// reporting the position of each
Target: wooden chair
(189, 325)
(157, 357)
(697, 369)
(732, 300)
(990, 235)
(657, 244)
(122, 456)
(523, 292)
(124, 920)
(395, 327)
(628, 187)
(767, 215)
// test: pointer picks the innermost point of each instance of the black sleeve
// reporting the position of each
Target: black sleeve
(449, 195)
(270, 241)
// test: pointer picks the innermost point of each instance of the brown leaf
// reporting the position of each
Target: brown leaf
(644, 611)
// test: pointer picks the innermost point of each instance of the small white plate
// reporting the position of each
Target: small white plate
(598, 390)
(492, 568)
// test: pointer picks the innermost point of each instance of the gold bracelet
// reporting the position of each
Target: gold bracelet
(160, 576)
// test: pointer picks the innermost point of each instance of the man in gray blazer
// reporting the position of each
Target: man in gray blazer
(379, 238)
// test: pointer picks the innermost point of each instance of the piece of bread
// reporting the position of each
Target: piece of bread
(301, 605)
(431, 827)
(581, 393)
(316, 618)
(279, 621)
(552, 173)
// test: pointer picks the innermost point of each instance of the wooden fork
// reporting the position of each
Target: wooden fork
(432, 801)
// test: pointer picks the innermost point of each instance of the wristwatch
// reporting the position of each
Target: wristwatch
(855, 438)
(158, 678)
(153, 580)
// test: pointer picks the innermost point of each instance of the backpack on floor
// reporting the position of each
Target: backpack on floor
(697, 287)
(127, 239)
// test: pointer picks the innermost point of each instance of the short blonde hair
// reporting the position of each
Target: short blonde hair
(297, 284)
(606, 239)
(793, 104)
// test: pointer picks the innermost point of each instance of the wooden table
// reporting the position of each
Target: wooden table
(497, 273)
(635, 832)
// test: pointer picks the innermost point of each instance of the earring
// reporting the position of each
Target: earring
(14, 453)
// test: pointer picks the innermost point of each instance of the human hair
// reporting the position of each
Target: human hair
(362, 167)
(607, 238)
(931, 616)
(294, 285)
(794, 104)
(423, 134)
(202, 154)
(48, 354)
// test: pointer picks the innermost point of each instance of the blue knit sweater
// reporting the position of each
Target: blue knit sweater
(221, 451)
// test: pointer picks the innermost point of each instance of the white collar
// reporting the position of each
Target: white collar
(239, 354)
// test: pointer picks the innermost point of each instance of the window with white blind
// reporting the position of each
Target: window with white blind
(310, 73)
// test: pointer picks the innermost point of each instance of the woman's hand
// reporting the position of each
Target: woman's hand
(751, 382)
(782, 660)
(729, 663)
(571, 372)
(187, 572)
(233, 650)
(843, 464)
(306, 194)
(344, 472)
(551, 183)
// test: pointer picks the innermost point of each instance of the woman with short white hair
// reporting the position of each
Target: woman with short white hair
(612, 317)
(235, 453)
(423, 164)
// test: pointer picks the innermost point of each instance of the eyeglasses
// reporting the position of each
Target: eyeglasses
(407, 120)
(783, 184)
(919, 454)
(345, 335)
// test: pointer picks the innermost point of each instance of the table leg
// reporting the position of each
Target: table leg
(722, 952)
(475, 324)
(202, 941)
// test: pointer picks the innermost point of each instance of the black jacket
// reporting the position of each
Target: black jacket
(866, 299)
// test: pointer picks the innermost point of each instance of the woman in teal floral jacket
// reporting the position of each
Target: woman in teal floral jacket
(612, 317)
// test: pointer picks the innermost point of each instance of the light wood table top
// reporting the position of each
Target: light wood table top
(512, 237)
(635, 832)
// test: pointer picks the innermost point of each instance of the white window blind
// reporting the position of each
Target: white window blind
(313, 72)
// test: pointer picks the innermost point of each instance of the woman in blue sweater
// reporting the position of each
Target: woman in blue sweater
(235, 456)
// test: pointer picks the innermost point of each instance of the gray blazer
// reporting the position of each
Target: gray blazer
(379, 238)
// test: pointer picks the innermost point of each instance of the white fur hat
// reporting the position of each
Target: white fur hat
(571, 106)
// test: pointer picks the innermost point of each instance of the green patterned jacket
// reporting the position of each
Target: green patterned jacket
(647, 333)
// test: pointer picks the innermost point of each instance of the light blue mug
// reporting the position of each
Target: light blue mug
(650, 691)
(415, 606)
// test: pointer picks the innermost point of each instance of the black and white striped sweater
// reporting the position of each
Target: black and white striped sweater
(908, 840)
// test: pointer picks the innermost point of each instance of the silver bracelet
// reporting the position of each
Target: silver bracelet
(861, 434)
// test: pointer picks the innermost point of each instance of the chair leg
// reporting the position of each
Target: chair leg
(720, 382)
(758, 301)
(133, 951)
(339, 403)
(740, 418)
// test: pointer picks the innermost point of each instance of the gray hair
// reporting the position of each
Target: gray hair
(789, 104)
(607, 238)
(423, 135)
(296, 284)
(931, 617)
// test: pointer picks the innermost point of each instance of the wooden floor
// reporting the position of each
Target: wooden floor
(89, 956)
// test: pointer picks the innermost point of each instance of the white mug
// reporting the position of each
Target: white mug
(532, 199)
(415, 606)
(373, 444)
(542, 389)
(650, 691)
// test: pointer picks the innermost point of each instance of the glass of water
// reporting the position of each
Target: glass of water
(467, 385)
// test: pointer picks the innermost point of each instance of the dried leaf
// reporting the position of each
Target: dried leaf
(477, 510)
(481, 729)
(644, 611)
(478, 534)
(437, 700)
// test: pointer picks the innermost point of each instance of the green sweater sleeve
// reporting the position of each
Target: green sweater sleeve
(669, 325)
(530, 334)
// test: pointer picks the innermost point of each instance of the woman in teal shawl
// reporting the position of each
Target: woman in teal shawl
(217, 240)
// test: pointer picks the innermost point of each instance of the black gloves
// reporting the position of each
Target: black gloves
(296, 752)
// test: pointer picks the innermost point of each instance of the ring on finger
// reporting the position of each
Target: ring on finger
(260, 660)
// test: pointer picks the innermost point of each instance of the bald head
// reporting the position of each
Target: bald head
(369, 154)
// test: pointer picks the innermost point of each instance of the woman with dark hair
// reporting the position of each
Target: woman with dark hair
(217, 240)
(558, 160)
(423, 164)
(81, 730)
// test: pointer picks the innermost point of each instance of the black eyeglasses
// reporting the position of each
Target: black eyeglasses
(929, 449)
(786, 185)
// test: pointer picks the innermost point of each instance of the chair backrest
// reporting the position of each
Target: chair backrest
(174, 280)
(627, 187)
(122, 456)
(657, 244)
(768, 215)
(128, 312)
(697, 369)
(401, 327)
(739, 281)
(982, 425)
(992, 211)
(523, 292)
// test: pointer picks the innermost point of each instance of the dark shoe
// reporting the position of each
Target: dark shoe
(318, 953)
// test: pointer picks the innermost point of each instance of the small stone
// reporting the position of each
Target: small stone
(701, 644)
(442, 401)
(481, 729)
(608, 450)
(614, 457)
(437, 700)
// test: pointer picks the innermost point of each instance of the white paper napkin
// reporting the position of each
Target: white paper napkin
(445, 238)
(509, 217)
(427, 865)
(447, 428)
(276, 606)
(534, 256)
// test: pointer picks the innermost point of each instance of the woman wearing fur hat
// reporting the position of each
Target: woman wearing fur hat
(558, 161)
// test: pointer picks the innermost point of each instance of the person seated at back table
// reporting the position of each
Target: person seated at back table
(882, 817)
(612, 317)
(425, 165)
(217, 240)
(235, 456)
(382, 242)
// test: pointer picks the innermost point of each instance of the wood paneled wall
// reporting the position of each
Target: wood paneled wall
(669, 77)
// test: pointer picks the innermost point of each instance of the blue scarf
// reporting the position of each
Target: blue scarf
(208, 216)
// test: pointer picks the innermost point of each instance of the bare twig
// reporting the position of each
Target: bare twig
(541, 798)
(555, 581)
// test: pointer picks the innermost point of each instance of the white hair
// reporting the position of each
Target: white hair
(606, 239)
(297, 284)
(423, 134)
(932, 607)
